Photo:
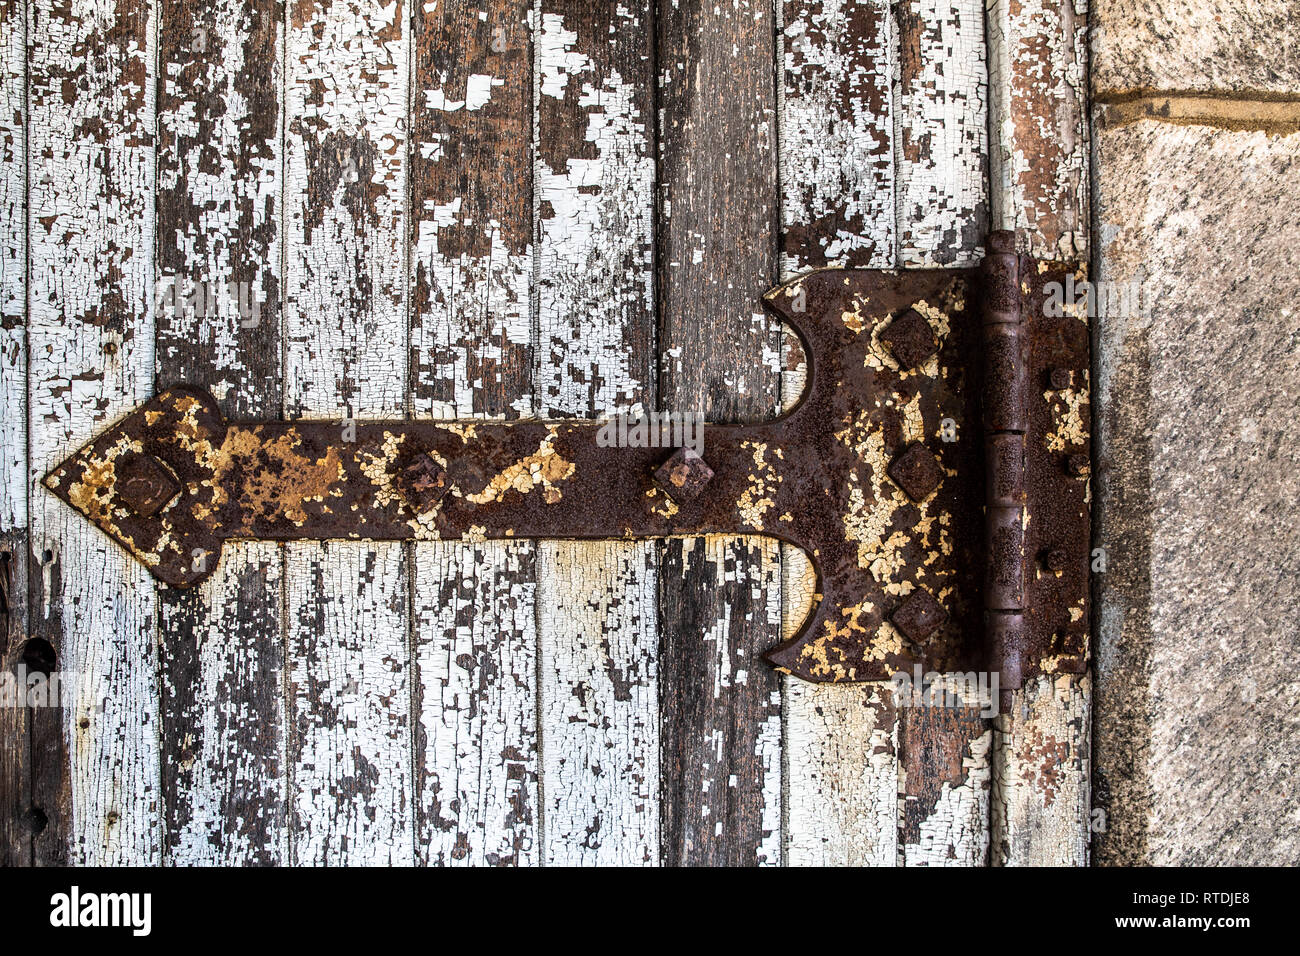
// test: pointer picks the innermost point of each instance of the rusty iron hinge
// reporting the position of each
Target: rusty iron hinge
(935, 542)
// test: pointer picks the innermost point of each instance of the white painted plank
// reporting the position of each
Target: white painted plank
(91, 231)
(223, 699)
(476, 739)
(13, 267)
(598, 695)
(836, 140)
(347, 66)
(599, 703)
(351, 696)
(471, 269)
(1042, 771)
(1038, 53)
(941, 132)
(347, 80)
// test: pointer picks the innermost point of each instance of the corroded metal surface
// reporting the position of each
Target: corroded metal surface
(877, 473)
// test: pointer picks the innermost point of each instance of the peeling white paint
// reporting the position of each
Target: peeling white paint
(91, 213)
(941, 135)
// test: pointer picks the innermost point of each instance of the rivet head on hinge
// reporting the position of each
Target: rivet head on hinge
(919, 616)
(1077, 465)
(910, 339)
(684, 475)
(917, 472)
(422, 482)
(145, 485)
(1059, 379)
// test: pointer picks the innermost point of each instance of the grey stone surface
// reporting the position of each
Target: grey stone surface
(1196, 45)
(1197, 732)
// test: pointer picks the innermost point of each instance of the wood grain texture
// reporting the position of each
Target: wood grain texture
(720, 702)
(472, 210)
(595, 198)
(941, 155)
(837, 200)
(15, 770)
(1038, 99)
(941, 132)
(944, 793)
(472, 335)
(1040, 150)
(13, 266)
(837, 134)
(719, 599)
(1042, 772)
(476, 760)
(347, 79)
(16, 820)
(219, 185)
(598, 690)
(347, 75)
(91, 231)
(842, 770)
(349, 684)
(223, 715)
(599, 703)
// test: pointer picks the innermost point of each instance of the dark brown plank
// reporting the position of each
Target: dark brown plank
(15, 752)
(719, 598)
(223, 727)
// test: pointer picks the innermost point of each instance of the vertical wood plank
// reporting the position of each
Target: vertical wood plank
(16, 819)
(837, 135)
(91, 236)
(837, 200)
(1038, 87)
(476, 737)
(598, 693)
(13, 266)
(15, 781)
(1038, 53)
(1042, 772)
(218, 325)
(941, 132)
(719, 601)
(599, 703)
(476, 773)
(349, 673)
(471, 206)
(941, 153)
(944, 811)
(345, 317)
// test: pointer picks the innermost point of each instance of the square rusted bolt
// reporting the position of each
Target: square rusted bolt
(145, 485)
(917, 472)
(422, 482)
(919, 616)
(684, 475)
(910, 339)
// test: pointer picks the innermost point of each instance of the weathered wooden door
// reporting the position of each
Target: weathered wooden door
(503, 209)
